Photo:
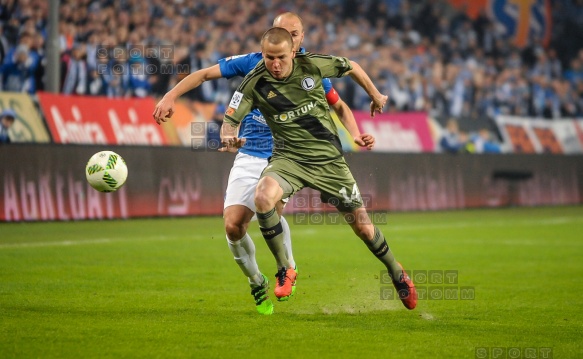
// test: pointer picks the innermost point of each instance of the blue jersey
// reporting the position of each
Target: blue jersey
(253, 127)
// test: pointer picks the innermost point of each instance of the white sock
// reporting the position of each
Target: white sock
(287, 242)
(244, 253)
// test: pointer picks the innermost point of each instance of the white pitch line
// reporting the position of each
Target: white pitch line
(54, 244)
(80, 242)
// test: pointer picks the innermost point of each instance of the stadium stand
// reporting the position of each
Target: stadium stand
(432, 56)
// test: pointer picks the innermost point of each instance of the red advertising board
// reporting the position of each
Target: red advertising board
(46, 183)
(398, 132)
(100, 120)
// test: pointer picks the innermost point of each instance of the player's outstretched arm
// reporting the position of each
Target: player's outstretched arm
(165, 107)
(346, 116)
(361, 77)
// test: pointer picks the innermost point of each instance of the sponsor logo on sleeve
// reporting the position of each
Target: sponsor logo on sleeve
(236, 100)
(233, 57)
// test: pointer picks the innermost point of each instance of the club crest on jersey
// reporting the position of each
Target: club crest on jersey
(308, 83)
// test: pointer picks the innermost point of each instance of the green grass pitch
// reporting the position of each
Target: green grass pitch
(168, 288)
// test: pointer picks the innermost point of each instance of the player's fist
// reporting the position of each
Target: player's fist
(365, 140)
(164, 110)
(377, 104)
(232, 144)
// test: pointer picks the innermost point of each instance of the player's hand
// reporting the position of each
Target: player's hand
(365, 140)
(164, 110)
(377, 104)
(232, 144)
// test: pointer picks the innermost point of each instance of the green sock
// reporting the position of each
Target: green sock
(379, 247)
(272, 231)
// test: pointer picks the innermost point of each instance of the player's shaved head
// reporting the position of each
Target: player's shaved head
(288, 17)
(292, 23)
(275, 36)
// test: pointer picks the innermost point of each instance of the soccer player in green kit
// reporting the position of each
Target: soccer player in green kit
(287, 88)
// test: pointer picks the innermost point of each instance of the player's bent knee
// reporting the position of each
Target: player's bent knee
(235, 231)
(264, 202)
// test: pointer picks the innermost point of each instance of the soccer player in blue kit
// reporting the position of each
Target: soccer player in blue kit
(254, 149)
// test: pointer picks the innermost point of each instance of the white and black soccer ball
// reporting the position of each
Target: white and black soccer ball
(106, 171)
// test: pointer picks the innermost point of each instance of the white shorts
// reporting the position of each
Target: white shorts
(243, 180)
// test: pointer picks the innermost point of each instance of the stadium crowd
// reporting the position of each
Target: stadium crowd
(425, 54)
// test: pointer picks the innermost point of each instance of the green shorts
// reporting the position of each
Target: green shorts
(334, 181)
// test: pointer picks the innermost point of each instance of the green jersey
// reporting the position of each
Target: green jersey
(294, 108)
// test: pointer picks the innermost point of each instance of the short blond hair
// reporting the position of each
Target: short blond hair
(277, 35)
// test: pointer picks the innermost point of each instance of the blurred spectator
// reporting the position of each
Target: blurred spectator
(3, 44)
(195, 60)
(483, 143)
(452, 140)
(7, 118)
(38, 53)
(74, 65)
(139, 81)
(116, 74)
(17, 71)
(575, 72)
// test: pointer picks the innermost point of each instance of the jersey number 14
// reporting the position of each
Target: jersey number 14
(355, 196)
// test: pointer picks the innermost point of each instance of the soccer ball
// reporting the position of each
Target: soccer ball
(106, 171)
